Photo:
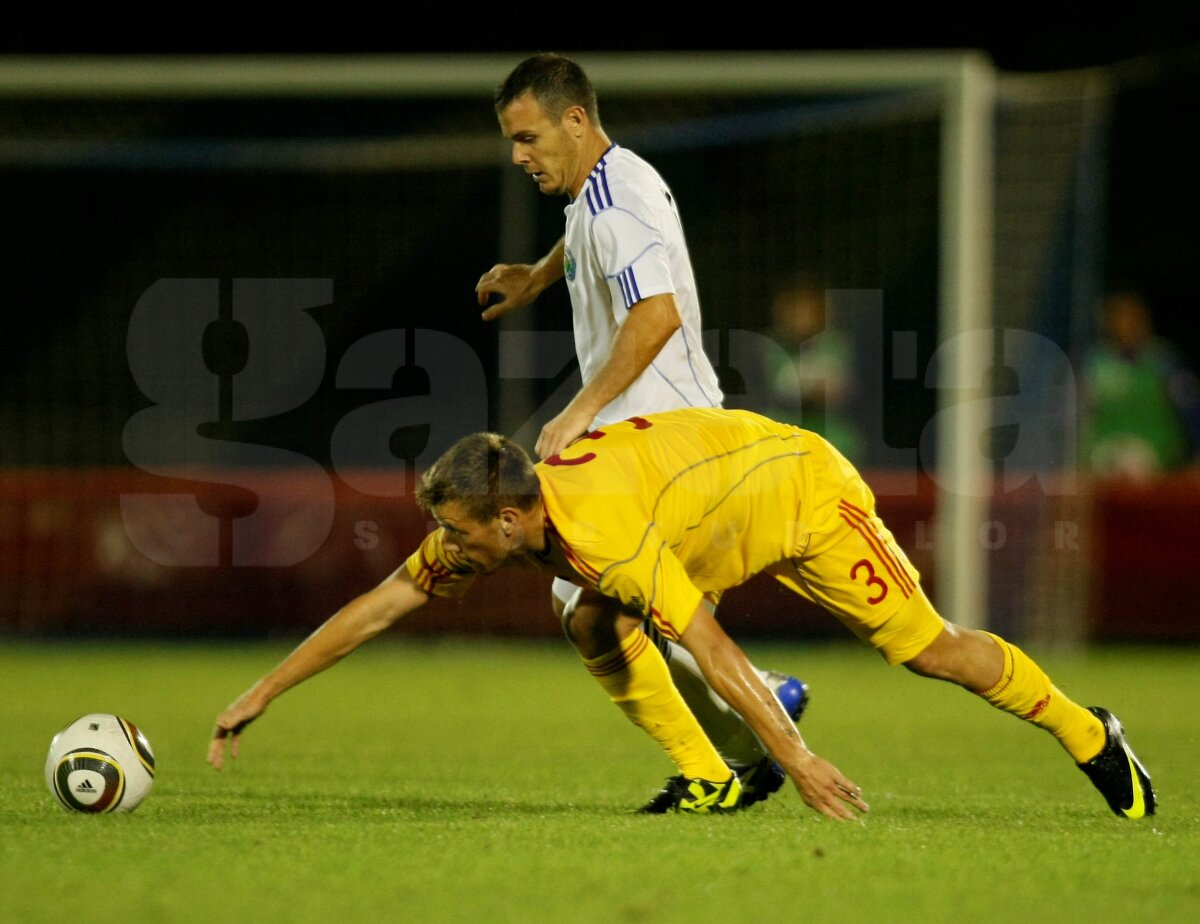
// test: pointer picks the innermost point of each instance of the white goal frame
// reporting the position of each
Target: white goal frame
(964, 83)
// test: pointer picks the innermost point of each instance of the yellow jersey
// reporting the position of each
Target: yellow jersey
(659, 511)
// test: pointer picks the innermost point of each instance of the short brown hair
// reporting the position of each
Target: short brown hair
(556, 82)
(485, 472)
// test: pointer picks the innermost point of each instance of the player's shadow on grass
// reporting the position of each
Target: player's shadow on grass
(388, 808)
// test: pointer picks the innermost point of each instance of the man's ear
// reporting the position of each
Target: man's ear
(574, 118)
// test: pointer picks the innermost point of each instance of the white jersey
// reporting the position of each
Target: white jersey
(624, 243)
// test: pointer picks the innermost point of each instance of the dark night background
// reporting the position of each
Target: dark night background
(1152, 57)
(195, 224)
(1153, 51)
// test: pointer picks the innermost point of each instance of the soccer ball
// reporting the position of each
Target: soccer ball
(100, 763)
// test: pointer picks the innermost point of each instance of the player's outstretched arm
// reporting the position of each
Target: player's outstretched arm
(730, 673)
(358, 621)
(518, 284)
(642, 335)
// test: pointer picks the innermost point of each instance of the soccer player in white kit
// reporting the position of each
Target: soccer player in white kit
(637, 327)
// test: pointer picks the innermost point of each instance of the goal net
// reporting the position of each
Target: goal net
(939, 211)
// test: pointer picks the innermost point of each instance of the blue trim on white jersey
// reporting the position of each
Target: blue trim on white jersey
(686, 400)
(645, 250)
(597, 195)
(695, 378)
(604, 183)
(629, 287)
(596, 192)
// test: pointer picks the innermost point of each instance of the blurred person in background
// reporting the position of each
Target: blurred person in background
(810, 378)
(1142, 402)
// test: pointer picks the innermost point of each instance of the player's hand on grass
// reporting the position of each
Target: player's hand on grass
(825, 789)
(516, 284)
(229, 728)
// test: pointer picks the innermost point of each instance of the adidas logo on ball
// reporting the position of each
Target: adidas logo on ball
(100, 763)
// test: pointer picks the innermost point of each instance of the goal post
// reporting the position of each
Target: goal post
(961, 84)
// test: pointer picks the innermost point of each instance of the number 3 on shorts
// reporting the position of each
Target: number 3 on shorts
(872, 580)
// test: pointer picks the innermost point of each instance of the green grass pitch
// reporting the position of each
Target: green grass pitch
(492, 782)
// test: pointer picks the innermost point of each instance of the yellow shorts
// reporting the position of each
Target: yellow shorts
(851, 565)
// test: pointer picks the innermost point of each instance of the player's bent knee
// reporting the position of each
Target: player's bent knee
(589, 621)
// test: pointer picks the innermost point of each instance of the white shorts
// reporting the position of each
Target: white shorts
(563, 590)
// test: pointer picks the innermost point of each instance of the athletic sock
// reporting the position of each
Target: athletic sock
(636, 678)
(729, 733)
(1026, 692)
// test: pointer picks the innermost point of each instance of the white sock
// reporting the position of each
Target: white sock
(732, 737)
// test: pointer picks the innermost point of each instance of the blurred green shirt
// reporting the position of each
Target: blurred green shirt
(1134, 423)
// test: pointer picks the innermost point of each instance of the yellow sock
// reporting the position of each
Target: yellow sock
(1026, 692)
(639, 682)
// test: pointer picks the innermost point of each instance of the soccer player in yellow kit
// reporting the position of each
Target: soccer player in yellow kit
(659, 515)
(635, 309)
